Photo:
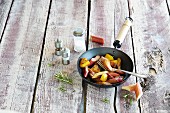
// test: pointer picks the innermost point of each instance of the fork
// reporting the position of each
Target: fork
(128, 72)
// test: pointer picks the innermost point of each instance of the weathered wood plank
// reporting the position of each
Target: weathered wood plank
(102, 25)
(106, 19)
(151, 40)
(20, 52)
(4, 9)
(122, 9)
(65, 16)
(168, 5)
(113, 18)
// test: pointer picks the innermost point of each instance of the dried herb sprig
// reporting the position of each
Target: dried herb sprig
(128, 98)
(50, 64)
(62, 88)
(63, 77)
(105, 100)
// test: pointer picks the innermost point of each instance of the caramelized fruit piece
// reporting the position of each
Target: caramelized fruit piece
(104, 77)
(84, 62)
(95, 68)
(136, 88)
(109, 57)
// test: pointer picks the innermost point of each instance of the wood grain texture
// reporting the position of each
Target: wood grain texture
(65, 16)
(4, 9)
(20, 52)
(102, 25)
(152, 30)
(29, 38)
(122, 9)
(168, 5)
(106, 20)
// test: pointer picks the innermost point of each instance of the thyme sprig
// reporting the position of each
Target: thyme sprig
(50, 64)
(105, 100)
(62, 88)
(63, 77)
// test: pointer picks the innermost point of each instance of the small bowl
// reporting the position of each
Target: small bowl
(126, 64)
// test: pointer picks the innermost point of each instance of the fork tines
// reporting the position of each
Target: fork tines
(101, 65)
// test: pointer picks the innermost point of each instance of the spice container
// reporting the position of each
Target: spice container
(66, 56)
(79, 40)
(59, 46)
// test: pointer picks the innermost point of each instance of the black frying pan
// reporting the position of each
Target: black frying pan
(126, 63)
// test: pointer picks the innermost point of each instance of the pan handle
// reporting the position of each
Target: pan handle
(122, 33)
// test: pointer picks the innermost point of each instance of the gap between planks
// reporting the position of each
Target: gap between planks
(168, 6)
(39, 66)
(6, 21)
(84, 85)
(131, 11)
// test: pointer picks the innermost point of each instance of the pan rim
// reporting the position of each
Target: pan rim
(99, 85)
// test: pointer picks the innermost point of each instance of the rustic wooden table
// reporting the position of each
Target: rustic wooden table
(29, 28)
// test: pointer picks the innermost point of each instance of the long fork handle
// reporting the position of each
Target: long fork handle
(132, 73)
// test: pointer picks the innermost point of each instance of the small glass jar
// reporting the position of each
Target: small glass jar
(79, 40)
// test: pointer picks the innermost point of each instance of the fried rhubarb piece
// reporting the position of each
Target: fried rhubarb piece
(115, 80)
(97, 39)
(93, 60)
(85, 71)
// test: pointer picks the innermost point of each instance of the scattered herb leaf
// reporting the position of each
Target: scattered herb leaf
(50, 65)
(131, 101)
(105, 100)
(62, 88)
(74, 90)
(63, 77)
(128, 98)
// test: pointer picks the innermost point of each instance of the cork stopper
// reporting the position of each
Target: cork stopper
(78, 32)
